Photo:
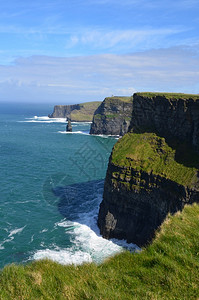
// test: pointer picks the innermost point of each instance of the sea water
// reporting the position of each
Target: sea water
(51, 185)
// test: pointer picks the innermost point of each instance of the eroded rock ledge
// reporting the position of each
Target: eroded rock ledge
(144, 183)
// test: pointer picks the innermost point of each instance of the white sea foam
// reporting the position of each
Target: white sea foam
(74, 132)
(93, 247)
(15, 231)
(105, 136)
(44, 119)
(64, 257)
(88, 245)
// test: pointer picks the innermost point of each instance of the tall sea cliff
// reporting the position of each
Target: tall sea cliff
(113, 116)
(77, 112)
(153, 169)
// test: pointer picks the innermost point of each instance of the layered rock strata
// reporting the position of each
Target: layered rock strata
(113, 116)
(169, 115)
(144, 183)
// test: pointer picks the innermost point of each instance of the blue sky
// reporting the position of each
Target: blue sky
(73, 51)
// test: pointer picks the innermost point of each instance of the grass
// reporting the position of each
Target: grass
(151, 153)
(86, 111)
(167, 269)
(169, 95)
(119, 98)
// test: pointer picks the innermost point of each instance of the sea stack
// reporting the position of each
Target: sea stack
(69, 126)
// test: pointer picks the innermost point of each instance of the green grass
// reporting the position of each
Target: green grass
(169, 95)
(167, 269)
(119, 98)
(150, 153)
(86, 111)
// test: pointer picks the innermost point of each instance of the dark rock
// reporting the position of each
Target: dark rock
(69, 126)
(169, 117)
(135, 214)
(63, 111)
(113, 116)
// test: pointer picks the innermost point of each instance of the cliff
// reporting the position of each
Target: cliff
(169, 115)
(113, 116)
(150, 176)
(144, 183)
(78, 112)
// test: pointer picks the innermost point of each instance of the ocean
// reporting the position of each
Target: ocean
(51, 185)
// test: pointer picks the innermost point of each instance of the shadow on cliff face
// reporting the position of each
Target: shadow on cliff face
(185, 153)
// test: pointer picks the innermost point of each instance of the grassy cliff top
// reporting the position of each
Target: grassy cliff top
(120, 98)
(150, 153)
(91, 104)
(86, 111)
(84, 104)
(167, 269)
(169, 95)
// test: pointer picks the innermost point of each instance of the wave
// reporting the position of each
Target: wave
(105, 136)
(87, 243)
(64, 257)
(46, 119)
(11, 236)
(15, 231)
(74, 132)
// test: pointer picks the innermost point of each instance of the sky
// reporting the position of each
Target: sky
(75, 51)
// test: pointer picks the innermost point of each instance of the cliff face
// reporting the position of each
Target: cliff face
(78, 112)
(133, 209)
(146, 179)
(63, 111)
(113, 116)
(169, 115)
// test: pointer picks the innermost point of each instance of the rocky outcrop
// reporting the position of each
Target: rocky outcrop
(169, 115)
(69, 126)
(78, 112)
(144, 183)
(113, 116)
(63, 111)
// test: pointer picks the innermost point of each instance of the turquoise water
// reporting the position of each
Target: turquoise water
(51, 187)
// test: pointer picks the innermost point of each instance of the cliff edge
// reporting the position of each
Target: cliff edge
(169, 115)
(150, 176)
(113, 116)
(78, 112)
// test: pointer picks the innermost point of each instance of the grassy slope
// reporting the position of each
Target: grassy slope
(113, 99)
(86, 112)
(167, 269)
(150, 153)
(169, 95)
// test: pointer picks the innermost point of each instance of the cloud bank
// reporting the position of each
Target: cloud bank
(86, 78)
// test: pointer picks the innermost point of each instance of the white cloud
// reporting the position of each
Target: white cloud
(77, 79)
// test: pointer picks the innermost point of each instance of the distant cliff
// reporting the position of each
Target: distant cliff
(113, 116)
(77, 112)
(148, 175)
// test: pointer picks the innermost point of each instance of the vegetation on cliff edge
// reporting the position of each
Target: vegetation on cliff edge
(86, 111)
(113, 99)
(167, 269)
(169, 95)
(150, 153)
